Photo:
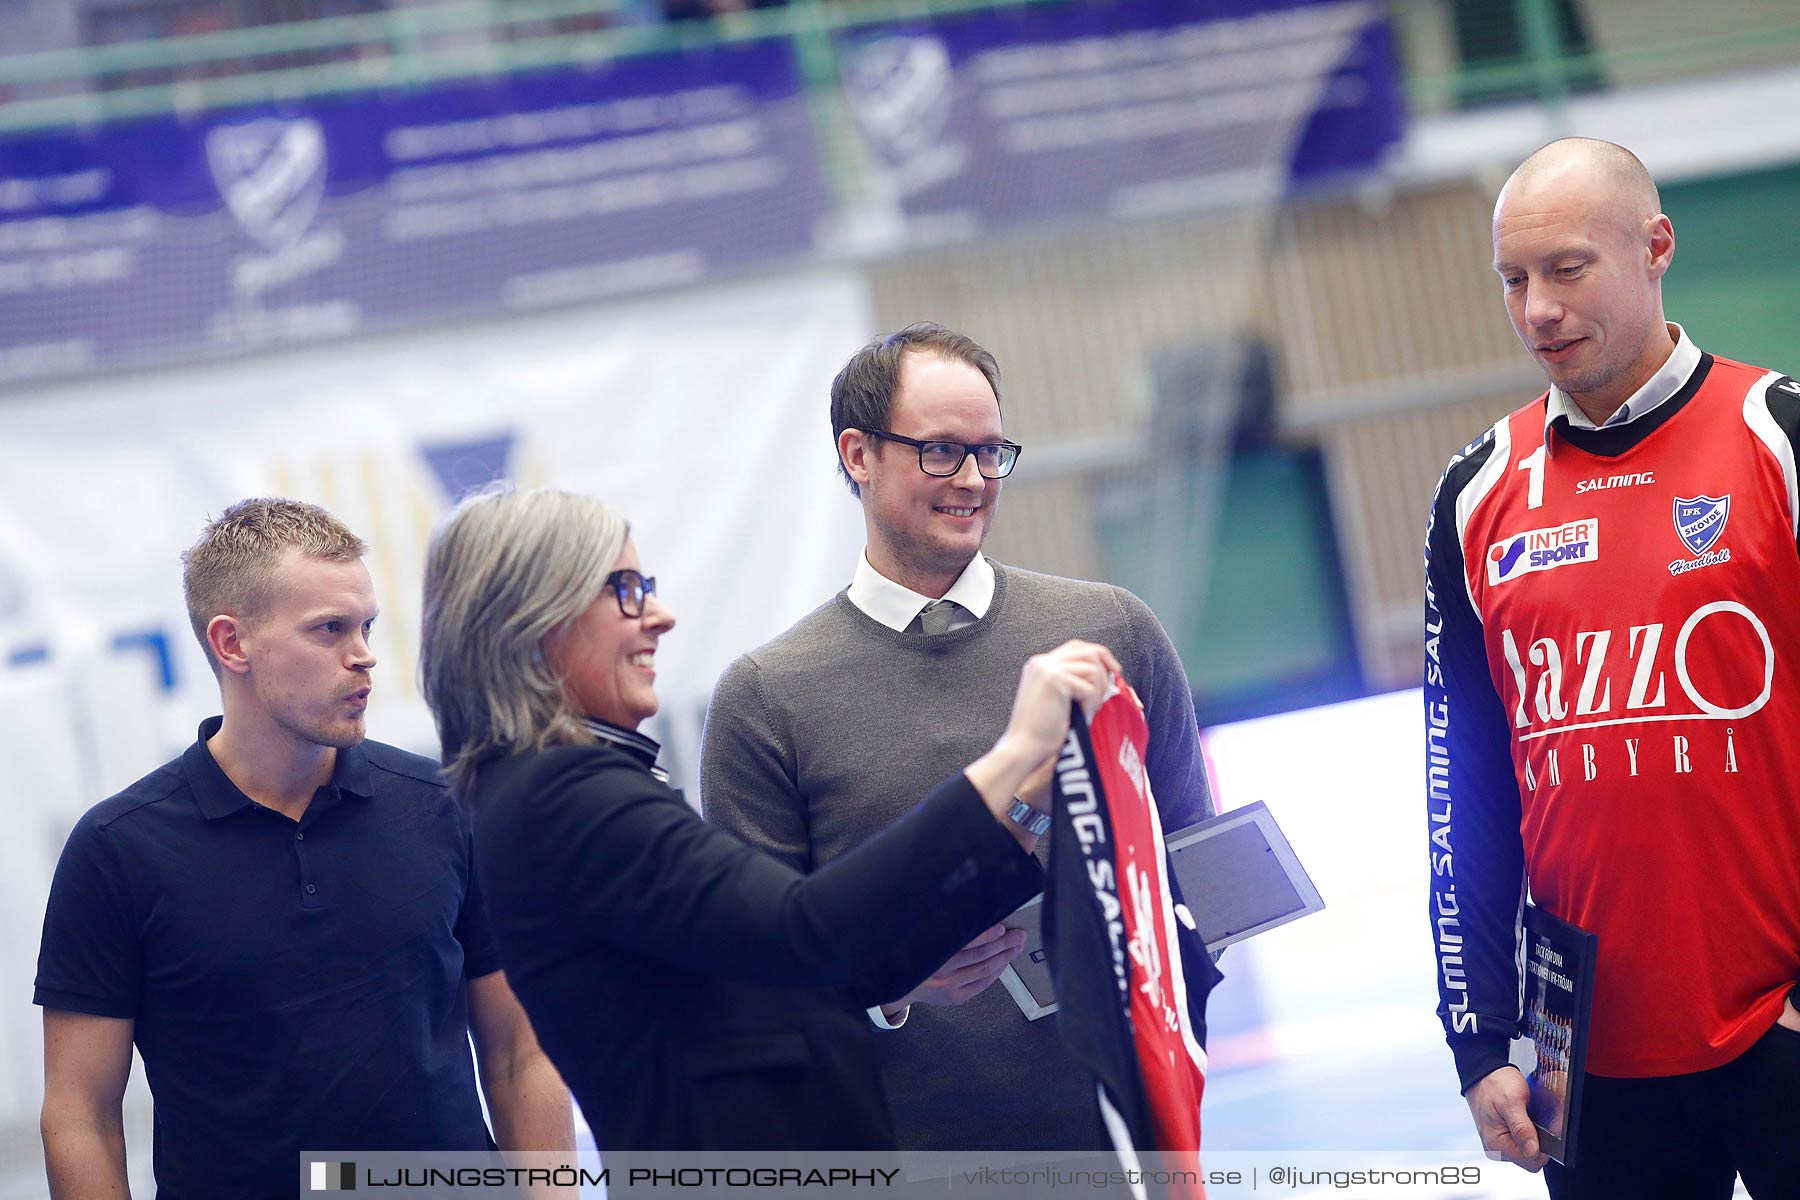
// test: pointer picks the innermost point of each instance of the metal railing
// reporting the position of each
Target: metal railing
(468, 39)
(1550, 67)
(407, 47)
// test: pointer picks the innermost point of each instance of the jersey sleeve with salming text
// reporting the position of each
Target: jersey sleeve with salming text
(1477, 852)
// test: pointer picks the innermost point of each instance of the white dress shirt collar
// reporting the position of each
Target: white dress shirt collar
(895, 605)
(1670, 378)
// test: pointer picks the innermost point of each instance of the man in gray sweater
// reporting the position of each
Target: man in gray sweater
(828, 733)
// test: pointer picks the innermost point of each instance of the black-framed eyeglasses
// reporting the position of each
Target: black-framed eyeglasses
(631, 589)
(994, 460)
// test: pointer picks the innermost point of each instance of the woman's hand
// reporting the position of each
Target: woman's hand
(1018, 765)
(1075, 670)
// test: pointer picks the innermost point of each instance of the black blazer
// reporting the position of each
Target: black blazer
(690, 989)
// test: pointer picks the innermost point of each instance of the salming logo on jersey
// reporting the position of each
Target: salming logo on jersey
(1605, 482)
(1542, 549)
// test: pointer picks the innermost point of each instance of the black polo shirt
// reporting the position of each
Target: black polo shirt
(294, 985)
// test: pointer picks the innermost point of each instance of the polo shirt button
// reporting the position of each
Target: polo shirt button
(299, 837)
(311, 888)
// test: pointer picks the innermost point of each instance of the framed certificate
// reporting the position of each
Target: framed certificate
(1559, 994)
(1238, 877)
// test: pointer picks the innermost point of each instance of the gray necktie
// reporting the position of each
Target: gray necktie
(934, 618)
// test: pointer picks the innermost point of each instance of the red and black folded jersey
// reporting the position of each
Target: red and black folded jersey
(1131, 975)
(1611, 694)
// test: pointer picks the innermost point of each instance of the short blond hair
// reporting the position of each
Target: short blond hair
(231, 568)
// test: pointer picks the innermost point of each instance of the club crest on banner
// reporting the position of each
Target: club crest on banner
(1700, 520)
(900, 89)
(271, 173)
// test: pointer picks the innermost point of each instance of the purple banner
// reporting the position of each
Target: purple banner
(1118, 110)
(165, 239)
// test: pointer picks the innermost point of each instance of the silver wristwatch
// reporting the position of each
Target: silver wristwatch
(1028, 818)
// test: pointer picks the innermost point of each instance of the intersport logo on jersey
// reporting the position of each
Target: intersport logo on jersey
(1543, 550)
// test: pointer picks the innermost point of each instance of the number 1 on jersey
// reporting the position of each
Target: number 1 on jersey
(1535, 489)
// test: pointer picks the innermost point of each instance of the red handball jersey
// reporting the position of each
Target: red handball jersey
(1613, 714)
(1131, 975)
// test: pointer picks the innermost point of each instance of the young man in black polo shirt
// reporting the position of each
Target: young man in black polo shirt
(284, 918)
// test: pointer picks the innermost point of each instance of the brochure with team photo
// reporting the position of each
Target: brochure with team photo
(1238, 877)
(1559, 991)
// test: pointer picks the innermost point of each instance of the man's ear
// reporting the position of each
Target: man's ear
(1661, 245)
(854, 449)
(224, 637)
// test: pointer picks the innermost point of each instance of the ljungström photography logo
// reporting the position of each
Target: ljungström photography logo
(333, 1177)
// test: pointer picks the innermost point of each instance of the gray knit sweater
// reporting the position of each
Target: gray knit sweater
(839, 726)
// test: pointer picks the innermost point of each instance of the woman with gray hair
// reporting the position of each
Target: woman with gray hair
(695, 993)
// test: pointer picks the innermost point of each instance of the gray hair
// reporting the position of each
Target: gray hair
(504, 570)
(863, 391)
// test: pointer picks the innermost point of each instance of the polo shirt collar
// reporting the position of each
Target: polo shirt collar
(218, 797)
(1670, 378)
(895, 605)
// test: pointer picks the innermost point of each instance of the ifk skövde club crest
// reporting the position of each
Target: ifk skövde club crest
(899, 89)
(1700, 520)
(271, 173)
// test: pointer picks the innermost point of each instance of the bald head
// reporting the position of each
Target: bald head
(1581, 246)
(1607, 178)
